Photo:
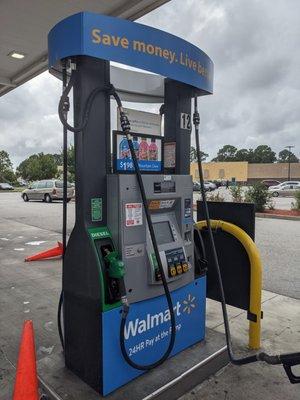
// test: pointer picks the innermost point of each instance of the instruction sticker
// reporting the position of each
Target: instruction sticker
(134, 214)
(96, 209)
(135, 250)
(169, 154)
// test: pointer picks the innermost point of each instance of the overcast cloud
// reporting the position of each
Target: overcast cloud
(255, 48)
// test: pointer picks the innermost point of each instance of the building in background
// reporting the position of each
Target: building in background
(278, 171)
(243, 172)
(222, 171)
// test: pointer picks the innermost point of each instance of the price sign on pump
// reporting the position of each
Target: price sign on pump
(148, 150)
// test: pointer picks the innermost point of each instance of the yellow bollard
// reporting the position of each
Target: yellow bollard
(255, 275)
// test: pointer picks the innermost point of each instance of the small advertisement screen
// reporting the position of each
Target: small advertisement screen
(148, 150)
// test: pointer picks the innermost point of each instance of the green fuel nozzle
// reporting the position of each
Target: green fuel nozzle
(116, 271)
(116, 268)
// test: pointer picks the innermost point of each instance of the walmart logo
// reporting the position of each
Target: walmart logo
(189, 304)
(141, 325)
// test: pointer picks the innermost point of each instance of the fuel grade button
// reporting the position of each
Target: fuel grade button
(179, 269)
(185, 267)
(172, 271)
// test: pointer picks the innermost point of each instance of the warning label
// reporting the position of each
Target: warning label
(134, 214)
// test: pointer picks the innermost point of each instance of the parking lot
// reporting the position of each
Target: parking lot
(277, 240)
(281, 203)
(31, 290)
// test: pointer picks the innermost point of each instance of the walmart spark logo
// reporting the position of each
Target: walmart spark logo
(189, 304)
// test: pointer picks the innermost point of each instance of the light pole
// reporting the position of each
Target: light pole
(289, 161)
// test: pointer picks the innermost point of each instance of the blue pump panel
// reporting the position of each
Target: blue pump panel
(147, 332)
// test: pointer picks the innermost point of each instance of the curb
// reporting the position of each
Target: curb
(276, 216)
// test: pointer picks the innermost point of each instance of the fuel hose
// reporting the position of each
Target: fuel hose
(287, 360)
(126, 130)
(62, 112)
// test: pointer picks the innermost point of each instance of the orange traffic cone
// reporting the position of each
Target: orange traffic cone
(26, 383)
(54, 252)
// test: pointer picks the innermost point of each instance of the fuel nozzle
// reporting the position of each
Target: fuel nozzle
(116, 272)
(116, 266)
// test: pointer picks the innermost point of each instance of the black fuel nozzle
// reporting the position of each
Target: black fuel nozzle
(288, 361)
(66, 104)
(124, 121)
(196, 118)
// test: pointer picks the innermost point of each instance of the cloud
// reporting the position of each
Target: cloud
(254, 46)
(29, 121)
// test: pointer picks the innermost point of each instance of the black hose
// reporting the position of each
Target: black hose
(245, 360)
(64, 107)
(87, 107)
(65, 110)
(126, 129)
(287, 360)
(201, 242)
(60, 331)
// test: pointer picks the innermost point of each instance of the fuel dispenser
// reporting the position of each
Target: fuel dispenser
(170, 206)
(130, 295)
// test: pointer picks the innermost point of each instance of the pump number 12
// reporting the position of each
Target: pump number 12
(185, 121)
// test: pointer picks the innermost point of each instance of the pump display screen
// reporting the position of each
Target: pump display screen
(148, 151)
(163, 232)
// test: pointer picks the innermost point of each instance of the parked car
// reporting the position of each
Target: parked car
(197, 187)
(47, 190)
(285, 183)
(6, 186)
(285, 188)
(210, 185)
(219, 183)
(270, 182)
(22, 182)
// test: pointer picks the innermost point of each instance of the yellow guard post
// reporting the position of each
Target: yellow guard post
(255, 274)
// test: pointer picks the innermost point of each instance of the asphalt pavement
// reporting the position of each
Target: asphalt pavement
(277, 240)
(31, 290)
(35, 213)
(279, 243)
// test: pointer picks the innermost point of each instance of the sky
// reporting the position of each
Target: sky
(255, 49)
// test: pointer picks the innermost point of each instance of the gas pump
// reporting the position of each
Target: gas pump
(130, 295)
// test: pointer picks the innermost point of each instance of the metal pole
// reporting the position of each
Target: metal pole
(289, 161)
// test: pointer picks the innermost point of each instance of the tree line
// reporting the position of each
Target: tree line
(36, 167)
(44, 166)
(261, 154)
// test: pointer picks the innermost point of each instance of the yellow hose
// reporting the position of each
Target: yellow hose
(255, 274)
